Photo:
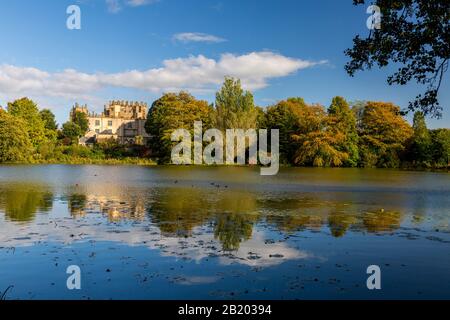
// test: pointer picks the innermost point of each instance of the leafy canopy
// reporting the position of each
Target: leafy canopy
(235, 108)
(174, 111)
(15, 144)
(384, 135)
(414, 35)
(28, 111)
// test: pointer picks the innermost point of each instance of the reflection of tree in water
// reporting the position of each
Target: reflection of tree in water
(382, 221)
(21, 202)
(235, 223)
(340, 222)
(176, 211)
(77, 204)
(293, 222)
(295, 214)
(233, 228)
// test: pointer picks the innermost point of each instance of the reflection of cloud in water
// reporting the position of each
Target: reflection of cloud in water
(253, 252)
(258, 252)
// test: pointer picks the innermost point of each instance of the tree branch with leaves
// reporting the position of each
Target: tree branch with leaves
(415, 35)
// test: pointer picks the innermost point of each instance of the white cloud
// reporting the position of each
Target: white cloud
(194, 73)
(113, 6)
(137, 3)
(197, 37)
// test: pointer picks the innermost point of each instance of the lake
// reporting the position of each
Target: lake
(223, 232)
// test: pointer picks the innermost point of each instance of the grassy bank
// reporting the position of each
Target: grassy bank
(76, 160)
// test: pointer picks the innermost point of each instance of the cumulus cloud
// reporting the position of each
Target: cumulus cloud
(197, 37)
(194, 73)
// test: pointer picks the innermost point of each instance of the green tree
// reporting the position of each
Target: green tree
(49, 119)
(50, 130)
(235, 108)
(72, 131)
(283, 116)
(414, 36)
(441, 147)
(81, 119)
(15, 144)
(420, 149)
(27, 110)
(343, 119)
(383, 135)
(174, 111)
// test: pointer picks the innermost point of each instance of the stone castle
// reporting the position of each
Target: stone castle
(122, 121)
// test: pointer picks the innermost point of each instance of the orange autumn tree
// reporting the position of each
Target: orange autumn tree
(318, 140)
(384, 135)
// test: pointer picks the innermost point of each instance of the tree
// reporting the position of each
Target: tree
(343, 120)
(235, 108)
(283, 116)
(15, 144)
(170, 112)
(72, 131)
(415, 34)
(81, 119)
(50, 128)
(49, 119)
(384, 134)
(441, 147)
(27, 110)
(317, 141)
(420, 149)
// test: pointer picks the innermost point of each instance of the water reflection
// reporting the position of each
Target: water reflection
(382, 221)
(178, 211)
(21, 201)
(218, 228)
(233, 228)
(339, 223)
(114, 208)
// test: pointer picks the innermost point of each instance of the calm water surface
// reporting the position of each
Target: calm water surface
(223, 233)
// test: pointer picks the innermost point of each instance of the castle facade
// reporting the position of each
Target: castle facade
(123, 121)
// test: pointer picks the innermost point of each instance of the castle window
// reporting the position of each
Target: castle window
(110, 123)
(97, 123)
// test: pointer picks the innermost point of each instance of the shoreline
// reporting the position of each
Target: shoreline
(154, 163)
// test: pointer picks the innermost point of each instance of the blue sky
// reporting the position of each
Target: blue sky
(137, 49)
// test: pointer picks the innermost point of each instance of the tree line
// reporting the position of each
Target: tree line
(28, 135)
(359, 134)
